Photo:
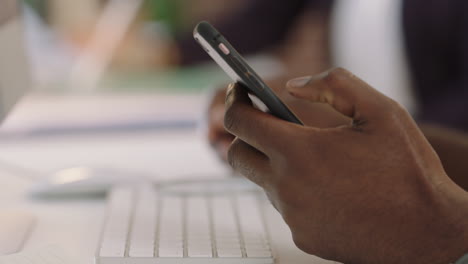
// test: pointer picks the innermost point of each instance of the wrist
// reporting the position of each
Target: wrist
(441, 227)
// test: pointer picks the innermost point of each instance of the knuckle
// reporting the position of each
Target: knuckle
(396, 107)
(337, 77)
(339, 70)
(394, 111)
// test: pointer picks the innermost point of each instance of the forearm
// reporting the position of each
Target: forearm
(452, 148)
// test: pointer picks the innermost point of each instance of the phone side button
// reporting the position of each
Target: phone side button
(224, 49)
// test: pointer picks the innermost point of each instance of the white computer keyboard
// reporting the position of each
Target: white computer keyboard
(147, 226)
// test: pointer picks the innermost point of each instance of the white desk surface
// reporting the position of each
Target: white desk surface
(75, 224)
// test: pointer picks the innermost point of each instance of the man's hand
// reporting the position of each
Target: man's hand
(372, 191)
(312, 114)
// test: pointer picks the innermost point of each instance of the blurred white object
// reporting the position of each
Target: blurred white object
(49, 56)
(212, 186)
(45, 114)
(84, 181)
(368, 40)
(14, 74)
(110, 29)
(15, 227)
(47, 255)
(53, 60)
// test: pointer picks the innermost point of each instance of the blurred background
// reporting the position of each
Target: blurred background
(145, 48)
(125, 43)
(108, 43)
(113, 64)
(119, 45)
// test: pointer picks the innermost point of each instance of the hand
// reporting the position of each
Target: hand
(373, 191)
(313, 114)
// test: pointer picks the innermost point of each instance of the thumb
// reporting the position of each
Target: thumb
(345, 92)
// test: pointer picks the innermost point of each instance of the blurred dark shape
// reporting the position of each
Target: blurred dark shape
(436, 41)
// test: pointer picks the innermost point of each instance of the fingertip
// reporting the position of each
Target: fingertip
(217, 115)
(222, 149)
(294, 92)
(295, 87)
(229, 91)
(298, 82)
(297, 92)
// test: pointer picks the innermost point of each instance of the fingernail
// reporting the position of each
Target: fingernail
(229, 93)
(299, 82)
(230, 87)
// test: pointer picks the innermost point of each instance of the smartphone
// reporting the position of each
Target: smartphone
(237, 68)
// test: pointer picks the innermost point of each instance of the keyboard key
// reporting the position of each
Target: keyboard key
(112, 251)
(145, 251)
(198, 229)
(171, 252)
(144, 224)
(251, 223)
(114, 238)
(227, 238)
(258, 253)
(229, 253)
(171, 228)
(249, 215)
(199, 252)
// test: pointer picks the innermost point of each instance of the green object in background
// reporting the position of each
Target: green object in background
(38, 5)
(166, 12)
(190, 80)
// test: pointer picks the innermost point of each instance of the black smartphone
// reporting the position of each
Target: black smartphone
(237, 68)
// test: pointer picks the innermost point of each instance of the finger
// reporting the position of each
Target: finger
(216, 130)
(218, 96)
(222, 146)
(217, 117)
(344, 92)
(258, 129)
(248, 161)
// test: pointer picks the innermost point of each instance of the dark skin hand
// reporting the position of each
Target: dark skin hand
(371, 191)
(312, 114)
(451, 146)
